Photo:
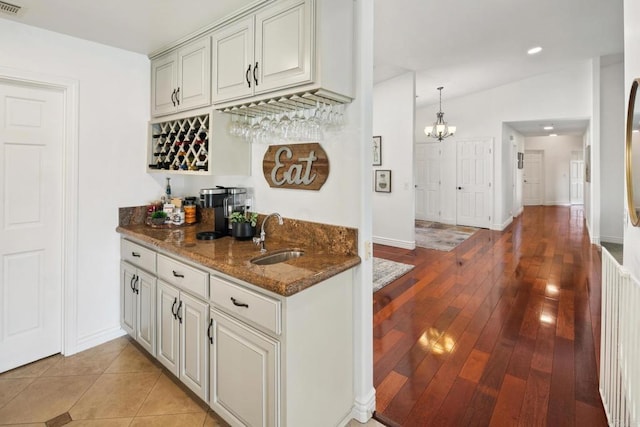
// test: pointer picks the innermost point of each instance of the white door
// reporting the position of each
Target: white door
(194, 347)
(532, 177)
(128, 299)
(232, 65)
(473, 183)
(145, 289)
(164, 78)
(427, 166)
(244, 372)
(31, 147)
(194, 74)
(283, 45)
(577, 182)
(168, 327)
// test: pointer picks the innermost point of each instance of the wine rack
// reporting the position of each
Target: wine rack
(181, 145)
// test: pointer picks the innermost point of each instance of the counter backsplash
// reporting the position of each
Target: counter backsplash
(335, 238)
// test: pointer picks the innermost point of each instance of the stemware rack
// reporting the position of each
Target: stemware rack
(181, 145)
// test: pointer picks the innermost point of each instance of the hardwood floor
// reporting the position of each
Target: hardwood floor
(504, 330)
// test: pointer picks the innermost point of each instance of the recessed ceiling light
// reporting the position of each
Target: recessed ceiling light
(553, 134)
(534, 50)
(548, 128)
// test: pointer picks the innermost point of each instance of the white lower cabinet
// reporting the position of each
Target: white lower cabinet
(138, 305)
(182, 337)
(244, 373)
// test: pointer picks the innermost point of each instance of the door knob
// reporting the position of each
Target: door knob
(459, 188)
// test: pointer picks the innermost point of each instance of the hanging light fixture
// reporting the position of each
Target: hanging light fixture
(440, 129)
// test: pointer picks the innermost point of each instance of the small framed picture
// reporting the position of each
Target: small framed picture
(377, 151)
(383, 181)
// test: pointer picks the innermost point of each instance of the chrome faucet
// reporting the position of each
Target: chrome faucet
(260, 240)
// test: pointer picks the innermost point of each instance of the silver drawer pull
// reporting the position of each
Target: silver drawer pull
(177, 274)
(238, 304)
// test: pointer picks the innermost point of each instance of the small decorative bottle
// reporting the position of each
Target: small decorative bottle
(167, 190)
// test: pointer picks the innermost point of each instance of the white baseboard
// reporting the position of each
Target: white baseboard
(500, 227)
(97, 338)
(363, 410)
(611, 239)
(558, 203)
(404, 244)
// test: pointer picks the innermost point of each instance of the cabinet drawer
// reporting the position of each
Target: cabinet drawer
(246, 304)
(138, 255)
(183, 276)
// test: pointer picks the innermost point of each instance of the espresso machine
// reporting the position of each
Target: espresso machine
(217, 204)
(212, 209)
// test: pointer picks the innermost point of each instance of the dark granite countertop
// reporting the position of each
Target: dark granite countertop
(329, 250)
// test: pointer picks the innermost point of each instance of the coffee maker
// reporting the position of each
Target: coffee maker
(212, 204)
(218, 204)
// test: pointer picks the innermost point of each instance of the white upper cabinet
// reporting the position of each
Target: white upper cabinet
(267, 51)
(233, 61)
(181, 79)
(283, 45)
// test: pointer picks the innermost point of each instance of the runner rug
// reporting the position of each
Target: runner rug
(442, 237)
(385, 272)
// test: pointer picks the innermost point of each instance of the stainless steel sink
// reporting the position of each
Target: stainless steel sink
(277, 257)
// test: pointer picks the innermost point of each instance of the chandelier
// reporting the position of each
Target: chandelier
(440, 129)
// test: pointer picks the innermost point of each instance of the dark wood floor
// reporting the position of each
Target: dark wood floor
(504, 330)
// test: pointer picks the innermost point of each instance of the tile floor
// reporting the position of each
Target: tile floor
(112, 385)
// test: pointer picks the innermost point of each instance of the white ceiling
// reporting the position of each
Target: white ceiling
(464, 45)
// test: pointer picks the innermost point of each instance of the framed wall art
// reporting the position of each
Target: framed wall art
(382, 182)
(377, 151)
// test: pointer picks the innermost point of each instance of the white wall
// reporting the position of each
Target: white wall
(565, 94)
(113, 114)
(393, 120)
(631, 71)
(557, 158)
(612, 142)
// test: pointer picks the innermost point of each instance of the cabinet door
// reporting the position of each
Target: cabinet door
(128, 298)
(284, 45)
(194, 346)
(164, 82)
(168, 326)
(232, 65)
(146, 311)
(194, 74)
(244, 373)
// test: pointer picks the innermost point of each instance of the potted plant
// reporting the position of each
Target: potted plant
(243, 225)
(158, 217)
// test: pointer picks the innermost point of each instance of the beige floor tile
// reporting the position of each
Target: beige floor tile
(112, 422)
(89, 362)
(175, 420)
(10, 387)
(45, 398)
(114, 395)
(33, 370)
(168, 398)
(131, 359)
(214, 420)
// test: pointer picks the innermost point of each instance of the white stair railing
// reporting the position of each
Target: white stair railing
(619, 344)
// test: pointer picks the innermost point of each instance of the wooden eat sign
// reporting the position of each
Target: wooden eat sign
(296, 166)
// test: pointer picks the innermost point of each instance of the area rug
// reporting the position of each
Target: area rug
(442, 237)
(385, 272)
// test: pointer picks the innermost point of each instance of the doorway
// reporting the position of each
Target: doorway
(38, 220)
(533, 178)
(577, 182)
(474, 168)
(427, 166)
